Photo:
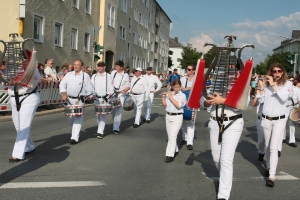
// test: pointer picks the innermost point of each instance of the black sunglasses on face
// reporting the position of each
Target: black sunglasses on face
(189, 69)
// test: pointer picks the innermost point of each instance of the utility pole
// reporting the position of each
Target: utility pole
(295, 64)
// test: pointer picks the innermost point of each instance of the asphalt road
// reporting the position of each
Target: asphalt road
(131, 165)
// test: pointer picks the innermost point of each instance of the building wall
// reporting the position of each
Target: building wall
(55, 11)
(176, 54)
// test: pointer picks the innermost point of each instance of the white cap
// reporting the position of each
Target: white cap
(139, 69)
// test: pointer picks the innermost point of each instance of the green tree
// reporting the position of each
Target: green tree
(189, 55)
(209, 56)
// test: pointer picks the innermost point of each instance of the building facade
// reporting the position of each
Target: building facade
(59, 27)
(176, 49)
(136, 32)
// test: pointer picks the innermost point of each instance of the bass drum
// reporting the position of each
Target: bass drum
(189, 114)
(295, 116)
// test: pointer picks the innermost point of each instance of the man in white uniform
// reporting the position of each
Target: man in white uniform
(76, 87)
(121, 85)
(140, 92)
(152, 82)
(104, 89)
(188, 128)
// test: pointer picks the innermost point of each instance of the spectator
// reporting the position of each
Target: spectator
(50, 72)
(2, 70)
(70, 68)
(63, 72)
(173, 77)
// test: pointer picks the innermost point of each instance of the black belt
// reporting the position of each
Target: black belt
(273, 118)
(75, 97)
(169, 113)
(24, 94)
(137, 93)
(229, 118)
(101, 96)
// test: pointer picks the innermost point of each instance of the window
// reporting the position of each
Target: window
(123, 5)
(122, 33)
(130, 3)
(121, 56)
(87, 42)
(147, 3)
(128, 50)
(88, 6)
(130, 24)
(74, 37)
(75, 3)
(111, 16)
(134, 37)
(133, 62)
(38, 28)
(58, 34)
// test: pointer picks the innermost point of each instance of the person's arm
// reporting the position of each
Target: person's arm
(127, 83)
(173, 100)
(163, 99)
(159, 85)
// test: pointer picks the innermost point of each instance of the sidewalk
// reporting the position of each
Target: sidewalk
(40, 112)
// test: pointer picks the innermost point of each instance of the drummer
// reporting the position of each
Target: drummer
(120, 81)
(140, 92)
(102, 84)
(188, 128)
(76, 87)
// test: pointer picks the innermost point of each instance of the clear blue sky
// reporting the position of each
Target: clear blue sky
(258, 22)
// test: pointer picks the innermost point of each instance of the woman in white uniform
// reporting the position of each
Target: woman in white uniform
(274, 95)
(174, 103)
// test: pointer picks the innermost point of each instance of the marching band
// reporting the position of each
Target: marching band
(113, 92)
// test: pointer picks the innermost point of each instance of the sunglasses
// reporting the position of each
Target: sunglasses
(277, 71)
(189, 69)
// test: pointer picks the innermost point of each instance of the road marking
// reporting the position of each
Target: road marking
(50, 184)
(282, 176)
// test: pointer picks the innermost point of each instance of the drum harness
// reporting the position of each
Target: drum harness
(117, 89)
(80, 98)
(106, 95)
(17, 96)
(131, 90)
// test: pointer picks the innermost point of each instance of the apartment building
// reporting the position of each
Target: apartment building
(136, 32)
(60, 28)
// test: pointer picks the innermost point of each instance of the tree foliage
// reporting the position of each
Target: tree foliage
(263, 67)
(189, 56)
(209, 56)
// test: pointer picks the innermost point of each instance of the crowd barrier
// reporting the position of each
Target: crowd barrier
(49, 92)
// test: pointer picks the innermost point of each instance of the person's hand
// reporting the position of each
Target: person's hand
(123, 92)
(270, 79)
(64, 97)
(154, 91)
(170, 94)
(216, 99)
(163, 95)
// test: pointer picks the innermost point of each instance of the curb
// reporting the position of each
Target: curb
(40, 113)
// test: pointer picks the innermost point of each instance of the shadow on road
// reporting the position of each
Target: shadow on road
(45, 153)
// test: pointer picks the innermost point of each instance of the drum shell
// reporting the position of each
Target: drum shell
(74, 110)
(115, 102)
(295, 115)
(188, 113)
(103, 109)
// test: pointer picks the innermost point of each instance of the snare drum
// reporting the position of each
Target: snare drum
(74, 110)
(115, 102)
(103, 109)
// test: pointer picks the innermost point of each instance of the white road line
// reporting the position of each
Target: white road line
(50, 184)
(282, 176)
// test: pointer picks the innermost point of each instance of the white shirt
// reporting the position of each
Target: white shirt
(228, 111)
(185, 81)
(275, 103)
(71, 84)
(102, 84)
(152, 80)
(180, 98)
(23, 90)
(51, 71)
(296, 95)
(140, 86)
(120, 80)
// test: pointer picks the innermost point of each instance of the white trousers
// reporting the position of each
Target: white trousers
(188, 131)
(22, 121)
(101, 119)
(173, 124)
(138, 105)
(273, 135)
(117, 114)
(260, 137)
(148, 106)
(223, 153)
(75, 122)
(291, 128)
